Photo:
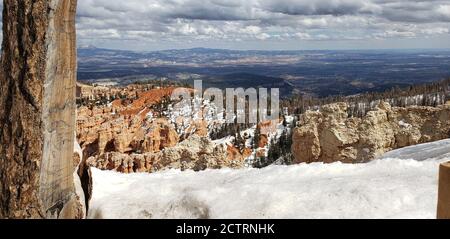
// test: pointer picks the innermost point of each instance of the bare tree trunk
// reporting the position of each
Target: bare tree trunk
(37, 110)
(444, 192)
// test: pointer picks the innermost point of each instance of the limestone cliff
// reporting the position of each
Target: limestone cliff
(329, 135)
(196, 153)
(37, 110)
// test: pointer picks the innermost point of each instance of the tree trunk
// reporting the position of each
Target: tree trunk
(444, 192)
(37, 110)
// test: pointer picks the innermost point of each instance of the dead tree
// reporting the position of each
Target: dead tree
(38, 110)
(444, 192)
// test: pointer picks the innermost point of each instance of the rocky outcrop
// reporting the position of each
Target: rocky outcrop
(124, 163)
(235, 154)
(37, 111)
(329, 135)
(126, 125)
(137, 133)
(159, 135)
(100, 131)
(195, 153)
(444, 192)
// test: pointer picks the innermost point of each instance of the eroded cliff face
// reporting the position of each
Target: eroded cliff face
(195, 153)
(37, 111)
(330, 135)
(100, 131)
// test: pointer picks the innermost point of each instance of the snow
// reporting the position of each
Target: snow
(185, 114)
(435, 150)
(403, 124)
(403, 184)
(249, 135)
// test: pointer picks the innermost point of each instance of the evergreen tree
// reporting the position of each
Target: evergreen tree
(257, 137)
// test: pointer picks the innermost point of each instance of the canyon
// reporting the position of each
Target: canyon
(53, 129)
(140, 132)
(135, 134)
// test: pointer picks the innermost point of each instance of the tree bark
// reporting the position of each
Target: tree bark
(37, 110)
(444, 192)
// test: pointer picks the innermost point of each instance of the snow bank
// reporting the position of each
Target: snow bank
(434, 150)
(385, 188)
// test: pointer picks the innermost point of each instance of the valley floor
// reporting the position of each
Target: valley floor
(403, 184)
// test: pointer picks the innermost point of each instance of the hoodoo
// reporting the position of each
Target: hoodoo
(37, 111)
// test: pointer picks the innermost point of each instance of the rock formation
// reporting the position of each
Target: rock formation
(195, 153)
(237, 155)
(444, 192)
(100, 131)
(37, 111)
(127, 124)
(125, 163)
(141, 131)
(329, 135)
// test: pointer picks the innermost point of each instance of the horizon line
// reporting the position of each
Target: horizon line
(272, 50)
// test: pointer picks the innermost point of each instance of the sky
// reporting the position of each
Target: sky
(264, 24)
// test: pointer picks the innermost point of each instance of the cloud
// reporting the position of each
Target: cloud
(444, 11)
(134, 22)
(320, 7)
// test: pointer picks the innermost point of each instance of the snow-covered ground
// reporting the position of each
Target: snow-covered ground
(403, 184)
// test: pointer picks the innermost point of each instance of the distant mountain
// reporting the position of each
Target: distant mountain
(320, 73)
(92, 51)
(247, 80)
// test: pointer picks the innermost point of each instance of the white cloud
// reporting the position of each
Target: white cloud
(435, 31)
(259, 20)
(302, 36)
(444, 10)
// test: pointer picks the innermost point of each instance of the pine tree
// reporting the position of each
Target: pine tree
(257, 137)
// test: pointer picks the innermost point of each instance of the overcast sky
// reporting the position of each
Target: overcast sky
(264, 24)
